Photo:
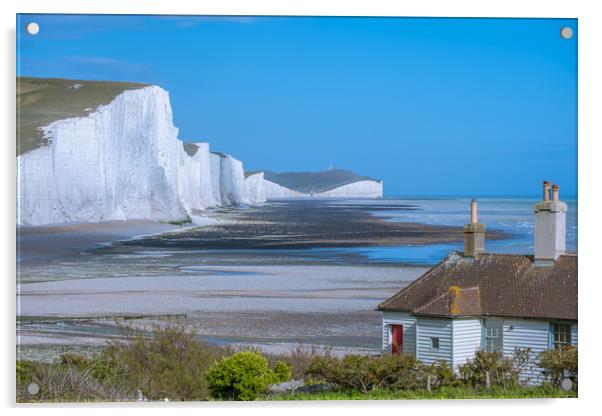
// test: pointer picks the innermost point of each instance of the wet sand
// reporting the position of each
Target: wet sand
(219, 289)
(48, 242)
(269, 306)
(270, 276)
(309, 223)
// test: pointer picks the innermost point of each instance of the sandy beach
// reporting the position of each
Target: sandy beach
(48, 242)
(271, 276)
(264, 305)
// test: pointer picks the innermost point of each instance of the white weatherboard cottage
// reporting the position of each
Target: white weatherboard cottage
(494, 302)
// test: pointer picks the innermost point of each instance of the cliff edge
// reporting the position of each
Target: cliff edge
(123, 160)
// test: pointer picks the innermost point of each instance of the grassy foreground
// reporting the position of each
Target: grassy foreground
(546, 391)
(172, 364)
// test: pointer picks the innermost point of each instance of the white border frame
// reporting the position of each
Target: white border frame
(590, 135)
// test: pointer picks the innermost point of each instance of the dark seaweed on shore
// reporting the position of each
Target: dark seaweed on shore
(306, 224)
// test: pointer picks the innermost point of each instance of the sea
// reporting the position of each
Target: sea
(513, 216)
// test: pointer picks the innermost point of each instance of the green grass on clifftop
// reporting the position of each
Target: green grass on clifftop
(40, 101)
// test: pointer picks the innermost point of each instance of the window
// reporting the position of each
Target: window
(562, 335)
(494, 332)
(434, 343)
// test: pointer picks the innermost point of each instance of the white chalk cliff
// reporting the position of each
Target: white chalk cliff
(274, 190)
(363, 189)
(255, 186)
(358, 189)
(125, 161)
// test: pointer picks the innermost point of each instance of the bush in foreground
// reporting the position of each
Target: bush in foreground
(364, 373)
(61, 382)
(244, 375)
(299, 358)
(558, 364)
(441, 375)
(171, 364)
(502, 371)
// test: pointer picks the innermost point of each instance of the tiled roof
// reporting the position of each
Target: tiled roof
(494, 285)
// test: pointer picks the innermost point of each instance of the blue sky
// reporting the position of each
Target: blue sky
(432, 106)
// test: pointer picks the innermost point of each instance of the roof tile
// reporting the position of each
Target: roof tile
(492, 284)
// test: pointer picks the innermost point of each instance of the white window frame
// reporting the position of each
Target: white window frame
(493, 335)
(567, 333)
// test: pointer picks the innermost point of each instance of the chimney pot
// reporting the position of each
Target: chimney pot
(473, 211)
(546, 190)
(555, 189)
(550, 227)
(474, 234)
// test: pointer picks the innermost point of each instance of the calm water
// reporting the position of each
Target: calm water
(513, 216)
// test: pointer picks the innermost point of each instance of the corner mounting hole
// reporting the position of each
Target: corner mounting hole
(32, 28)
(566, 32)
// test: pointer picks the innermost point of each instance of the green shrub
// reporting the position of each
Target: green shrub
(75, 360)
(282, 371)
(397, 372)
(558, 364)
(364, 373)
(63, 382)
(299, 358)
(26, 372)
(501, 371)
(332, 371)
(244, 375)
(442, 375)
(171, 364)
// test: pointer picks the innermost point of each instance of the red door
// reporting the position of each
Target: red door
(396, 339)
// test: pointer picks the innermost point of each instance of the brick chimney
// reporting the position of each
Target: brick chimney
(474, 234)
(550, 227)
